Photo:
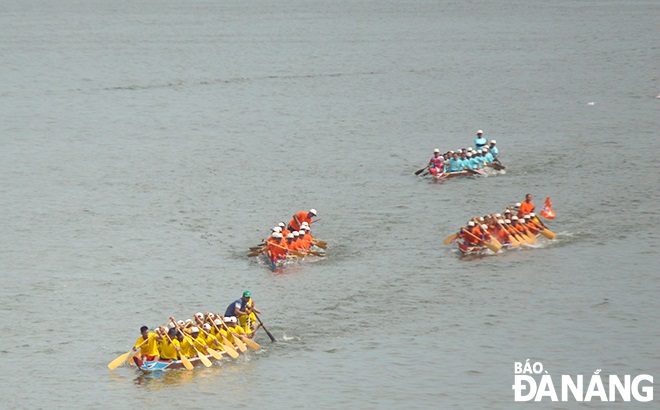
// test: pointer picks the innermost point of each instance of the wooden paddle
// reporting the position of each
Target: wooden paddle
(124, 357)
(272, 338)
(493, 239)
(184, 359)
(241, 346)
(543, 230)
(420, 171)
(226, 344)
(451, 238)
(512, 239)
(212, 351)
(516, 233)
(490, 246)
(205, 360)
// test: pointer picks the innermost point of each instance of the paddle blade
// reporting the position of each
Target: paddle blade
(492, 247)
(186, 362)
(119, 360)
(251, 343)
(205, 360)
(230, 350)
(253, 253)
(451, 238)
(239, 343)
(548, 233)
(420, 171)
(214, 353)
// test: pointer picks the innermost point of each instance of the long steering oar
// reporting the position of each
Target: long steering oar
(272, 338)
(124, 357)
(205, 360)
(184, 358)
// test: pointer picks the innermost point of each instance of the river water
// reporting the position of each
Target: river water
(146, 145)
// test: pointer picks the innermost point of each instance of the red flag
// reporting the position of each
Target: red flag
(547, 211)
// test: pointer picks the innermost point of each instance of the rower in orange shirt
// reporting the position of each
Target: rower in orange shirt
(303, 242)
(276, 249)
(472, 235)
(526, 207)
(299, 218)
(284, 231)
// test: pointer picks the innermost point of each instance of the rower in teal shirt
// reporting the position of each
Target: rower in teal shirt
(454, 164)
(480, 141)
(493, 149)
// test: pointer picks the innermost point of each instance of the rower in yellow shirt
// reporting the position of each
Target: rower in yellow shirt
(186, 345)
(209, 338)
(233, 327)
(169, 350)
(149, 350)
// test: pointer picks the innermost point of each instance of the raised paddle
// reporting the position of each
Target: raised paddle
(122, 358)
(184, 359)
(272, 338)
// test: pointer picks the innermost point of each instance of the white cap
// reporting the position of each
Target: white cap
(281, 224)
(507, 221)
(233, 319)
(493, 142)
(532, 214)
(514, 218)
(451, 152)
(470, 149)
(484, 227)
(517, 204)
(528, 216)
(312, 211)
(289, 236)
(211, 315)
(480, 219)
(206, 326)
(507, 211)
(200, 315)
(469, 155)
(279, 235)
(275, 229)
(500, 221)
(181, 323)
(304, 224)
(274, 235)
(498, 215)
(479, 132)
(480, 152)
(301, 232)
(194, 329)
(188, 321)
(296, 233)
(170, 325)
(484, 149)
(226, 319)
(471, 223)
(217, 322)
(436, 150)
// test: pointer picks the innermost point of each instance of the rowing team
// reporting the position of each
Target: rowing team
(204, 334)
(463, 159)
(292, 240)
(497, 230)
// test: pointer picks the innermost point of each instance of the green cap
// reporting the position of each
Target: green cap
(247, 294)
